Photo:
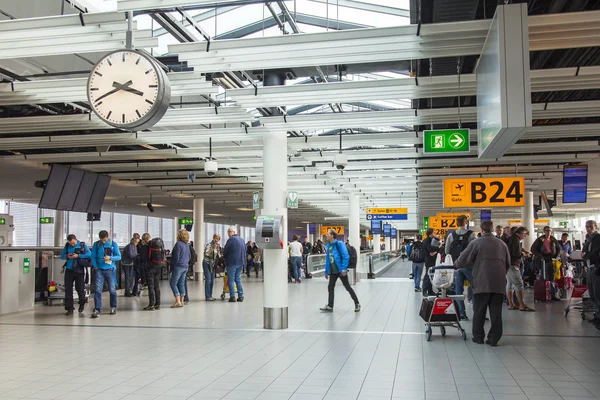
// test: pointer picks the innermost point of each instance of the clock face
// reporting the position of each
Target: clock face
(126, 89)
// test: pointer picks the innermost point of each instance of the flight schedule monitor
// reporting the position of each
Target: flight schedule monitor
(575, 179)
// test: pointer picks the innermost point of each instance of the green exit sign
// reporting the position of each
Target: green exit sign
(26, 265)
(564, 224)
(2, 221)
(426, 222)
(446, 141)
(186, 221)
(46, 220)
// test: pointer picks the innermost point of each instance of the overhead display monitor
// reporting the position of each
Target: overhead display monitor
(375, 227)
(98, 194)
(70, 189)
(387, 231)
(486, 215)
(54, 186)
(575, 179)
(84, 194)
(394, 232)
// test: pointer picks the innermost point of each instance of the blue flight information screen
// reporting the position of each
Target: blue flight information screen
(387, 231)
(486, 215)
(575, 183)
(375, 227)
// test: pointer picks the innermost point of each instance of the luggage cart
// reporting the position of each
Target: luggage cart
(441, 311)
(579, 291)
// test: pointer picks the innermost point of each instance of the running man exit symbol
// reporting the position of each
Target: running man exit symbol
(437, 141)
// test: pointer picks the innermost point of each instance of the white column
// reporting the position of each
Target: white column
(527, 218)
(376, 244)
(176, 228)
(275, 288)
(388, 244)
(59, 228)
(354, 227)
(308, 232)
(198, 237)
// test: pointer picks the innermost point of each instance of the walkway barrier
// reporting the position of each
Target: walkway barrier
(374, 264)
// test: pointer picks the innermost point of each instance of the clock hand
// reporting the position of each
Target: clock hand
(117, 87)
(134, 91)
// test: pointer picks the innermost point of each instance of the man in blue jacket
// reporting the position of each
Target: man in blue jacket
(104, 254)
(235, 259)
(74, 271)
(336, 266)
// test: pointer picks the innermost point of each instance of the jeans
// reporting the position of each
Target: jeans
(462, 275)
(234, 273)
(331, 288)
(209, 280)
(178, 276)
(417, 272)
(153, 279)
(107, 275)
(129, 277)
(481, 303)
(296, 265)
(71, 277)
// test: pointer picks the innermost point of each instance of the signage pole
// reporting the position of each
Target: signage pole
(199, 237)
(527, 218)
(354, 227)
(59, 222)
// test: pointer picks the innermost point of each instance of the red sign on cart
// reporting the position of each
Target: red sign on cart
(579, 291)
(443, 306)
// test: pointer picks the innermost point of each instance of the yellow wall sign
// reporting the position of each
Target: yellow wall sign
(536, 222)
(455, 215)
(338, 229)
(387, 210)
(484, 192)
(433, 222)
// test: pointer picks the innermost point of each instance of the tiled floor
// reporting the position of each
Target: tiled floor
(219, 351)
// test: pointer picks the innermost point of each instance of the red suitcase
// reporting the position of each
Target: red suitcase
(541, 287)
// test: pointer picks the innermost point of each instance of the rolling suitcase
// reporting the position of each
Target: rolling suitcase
(541, 287)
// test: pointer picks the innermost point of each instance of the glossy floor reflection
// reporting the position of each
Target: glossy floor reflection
(219, 351)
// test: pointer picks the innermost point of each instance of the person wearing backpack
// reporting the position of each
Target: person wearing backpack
(337, 261)
(155, 260)
(193, 261)
(104, 254)
(416, 254)
(353, 255)
(456, 243)
(127, 264)
(77, 256)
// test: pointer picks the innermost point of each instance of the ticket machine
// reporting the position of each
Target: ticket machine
(269, 233)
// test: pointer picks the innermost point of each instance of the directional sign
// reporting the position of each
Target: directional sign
(484, 192)
(455, 215)
(26, 265)
(338, 229)
(387, 210)
(425, 222)
(292, 200)
(446, 141)
(536, 222)
(312, 229)
(255, 200)
(387, 217)
(387, 230)
(186, 221)
(2, 221)
(564, 224)
(46, 220)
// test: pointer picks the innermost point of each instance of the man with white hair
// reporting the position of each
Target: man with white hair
(235, 259)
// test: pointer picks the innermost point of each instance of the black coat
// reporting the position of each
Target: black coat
(429, 259)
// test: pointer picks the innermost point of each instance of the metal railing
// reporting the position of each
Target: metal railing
(370, 264)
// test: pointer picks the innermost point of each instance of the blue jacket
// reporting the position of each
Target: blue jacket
(180, 257)
(566, 247)
(235, 251)
(340, 255)
(98, 255)
(68, 249)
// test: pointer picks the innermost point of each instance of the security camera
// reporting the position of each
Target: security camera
(211, 168)
(340, 160)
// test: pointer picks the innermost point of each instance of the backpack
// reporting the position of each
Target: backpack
(193, 256)
(459, 243)
(156, 252)
(353, 256)
(417, 253)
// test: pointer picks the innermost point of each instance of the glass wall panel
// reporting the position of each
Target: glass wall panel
(154, 227)
(138, 224)
(167, 233)
(25, 220)
(103, 225)
(80, 227)
(47, 230)
(122, 234)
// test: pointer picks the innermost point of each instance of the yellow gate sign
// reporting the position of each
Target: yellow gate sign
(484, 192)
(338, 229)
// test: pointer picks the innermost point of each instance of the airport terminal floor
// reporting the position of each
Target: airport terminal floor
(219, 350)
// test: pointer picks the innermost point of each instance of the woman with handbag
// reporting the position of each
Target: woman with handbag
(212, 254)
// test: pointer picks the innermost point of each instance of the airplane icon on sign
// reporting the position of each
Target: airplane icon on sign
(459, 186)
